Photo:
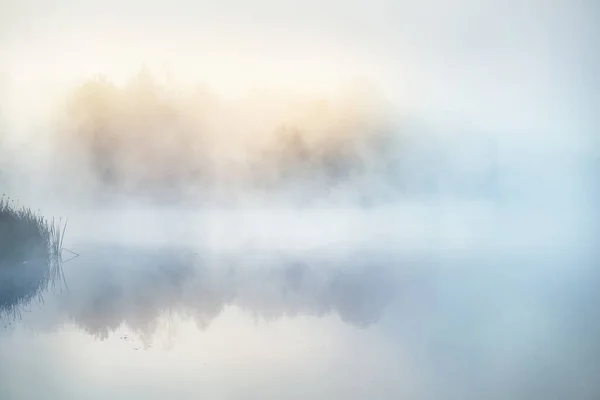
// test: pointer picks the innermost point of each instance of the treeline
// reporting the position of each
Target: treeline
(148, 136)
(162, 141)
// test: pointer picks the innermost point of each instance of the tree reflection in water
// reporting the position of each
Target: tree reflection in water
(135, 287)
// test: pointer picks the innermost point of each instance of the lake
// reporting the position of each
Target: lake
(326, 304)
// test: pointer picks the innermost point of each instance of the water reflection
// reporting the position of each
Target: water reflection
(114, 286)
(486, 324)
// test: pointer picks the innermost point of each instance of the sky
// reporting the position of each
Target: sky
(472, 59)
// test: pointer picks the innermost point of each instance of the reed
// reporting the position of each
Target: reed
(30, 256)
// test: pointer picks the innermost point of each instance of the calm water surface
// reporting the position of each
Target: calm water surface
(149, 315)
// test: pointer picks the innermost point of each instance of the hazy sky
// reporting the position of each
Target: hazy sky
(475, 58)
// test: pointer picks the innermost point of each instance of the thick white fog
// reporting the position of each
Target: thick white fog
(291, 200)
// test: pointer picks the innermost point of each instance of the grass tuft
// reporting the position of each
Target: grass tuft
(30, 256)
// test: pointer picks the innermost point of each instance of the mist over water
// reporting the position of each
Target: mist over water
(347, 201)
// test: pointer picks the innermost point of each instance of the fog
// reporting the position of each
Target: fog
(346, 200)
